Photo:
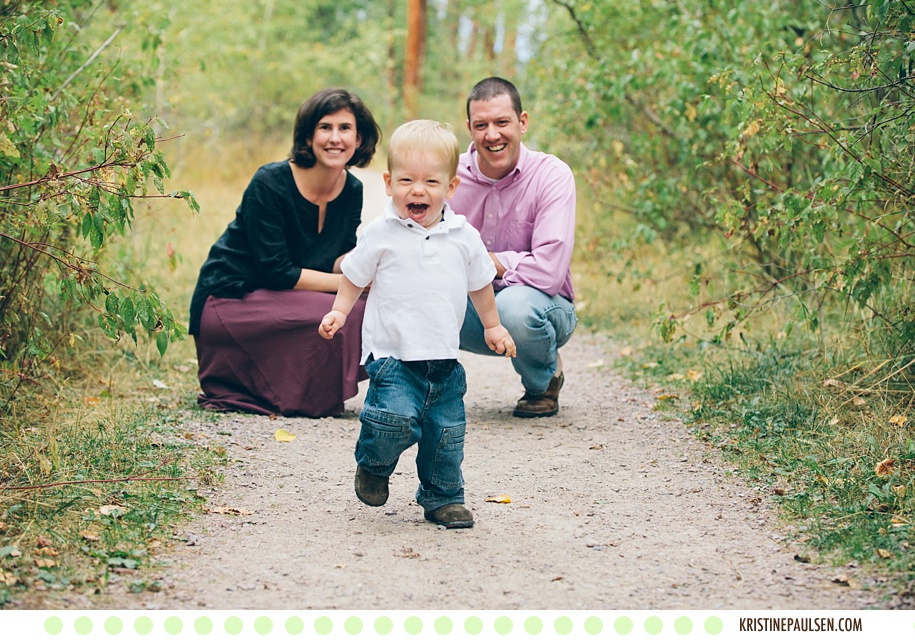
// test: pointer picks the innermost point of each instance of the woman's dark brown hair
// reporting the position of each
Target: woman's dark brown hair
(326, 102)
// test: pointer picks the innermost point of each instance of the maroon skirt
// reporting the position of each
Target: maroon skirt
(262, 354)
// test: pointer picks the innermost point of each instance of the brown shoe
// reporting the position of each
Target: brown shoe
(371, 489)
(542, 406)
(451, 516)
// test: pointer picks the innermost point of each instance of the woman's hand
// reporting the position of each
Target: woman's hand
(498, 339)
(332, 323)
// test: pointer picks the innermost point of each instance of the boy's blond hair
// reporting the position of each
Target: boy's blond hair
(425, 136)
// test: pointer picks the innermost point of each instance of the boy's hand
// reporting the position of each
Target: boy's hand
(498, 340)
(332, 323)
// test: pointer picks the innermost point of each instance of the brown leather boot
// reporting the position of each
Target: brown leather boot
(451, 516)
(371, 489)
(542, 406)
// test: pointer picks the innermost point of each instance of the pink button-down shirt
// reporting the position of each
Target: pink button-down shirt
(527, 219)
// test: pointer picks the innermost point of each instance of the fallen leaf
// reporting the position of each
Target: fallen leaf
(45, 563)
(282, 435)
(834, 422)
(668, 396)
(676, 376)
(90, 400)
(406, 552)
(899, 420)
(841, 579)
(88, 536)
(626, 351)
(899, 490)
(694, 375)
(596, 364)
(158, 384)
(10, 551)
(229, 510)
(831, 383)
(697, 406)
(883, 553)
(858, 402)
(649, 365)
(596, 447)
(803, 559)
(884, 467)
(502, 498)
(9, 579)
(339, 566)
(113, 510)
(41, 541)
(556, 579)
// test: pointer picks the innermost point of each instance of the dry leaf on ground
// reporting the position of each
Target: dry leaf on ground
(884, 467)
(229, 510)
(899, 420)
(282, 435)
(503, 498)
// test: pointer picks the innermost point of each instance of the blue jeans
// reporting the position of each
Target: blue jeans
(539, 324)
(420, 403)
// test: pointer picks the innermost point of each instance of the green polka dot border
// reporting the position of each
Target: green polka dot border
(394, 624)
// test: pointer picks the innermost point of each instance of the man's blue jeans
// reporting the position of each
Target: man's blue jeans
(539, 324)
(420, 403)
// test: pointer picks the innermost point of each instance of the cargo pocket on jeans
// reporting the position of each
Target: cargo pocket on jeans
(384, 436)
(449, 455)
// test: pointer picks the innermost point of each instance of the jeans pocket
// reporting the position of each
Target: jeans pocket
(383, 437)
(449, 454)
(384, 424)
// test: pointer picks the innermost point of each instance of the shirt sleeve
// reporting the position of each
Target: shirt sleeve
(263, 212)
(546, 265)
(353, 217)
(481, 270)
(360, 264)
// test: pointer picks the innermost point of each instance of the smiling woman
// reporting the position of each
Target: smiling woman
(272, 275)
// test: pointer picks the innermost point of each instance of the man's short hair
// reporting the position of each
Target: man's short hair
(492, 87)
(430, 136)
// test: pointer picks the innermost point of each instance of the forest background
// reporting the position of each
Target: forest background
(745, 231)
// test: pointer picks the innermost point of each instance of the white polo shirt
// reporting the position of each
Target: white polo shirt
(420, 280)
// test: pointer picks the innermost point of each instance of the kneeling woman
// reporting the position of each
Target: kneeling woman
(272, 275)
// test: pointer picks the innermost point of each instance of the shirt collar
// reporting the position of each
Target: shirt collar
(474, 166)
(449, 220)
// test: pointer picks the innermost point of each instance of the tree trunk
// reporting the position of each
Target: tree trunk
(391, 64)
(415, 53)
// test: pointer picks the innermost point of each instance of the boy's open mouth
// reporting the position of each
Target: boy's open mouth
(417, 208)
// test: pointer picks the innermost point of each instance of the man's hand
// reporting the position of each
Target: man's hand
(332, 323)
(498, 340)
(500, 270)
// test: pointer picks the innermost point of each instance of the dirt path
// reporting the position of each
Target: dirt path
(611, 508)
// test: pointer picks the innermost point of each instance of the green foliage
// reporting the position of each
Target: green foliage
(73, 159)
(784, 130)
(101, 490)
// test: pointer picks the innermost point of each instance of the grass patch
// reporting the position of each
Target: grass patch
(834, 451)
(823, 425)
(106, 483)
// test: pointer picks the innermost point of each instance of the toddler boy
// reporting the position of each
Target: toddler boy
(422, 261)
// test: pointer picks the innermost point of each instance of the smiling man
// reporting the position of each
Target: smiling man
(523, 204)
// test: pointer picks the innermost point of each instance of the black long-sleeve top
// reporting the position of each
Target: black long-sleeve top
(274, 236)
